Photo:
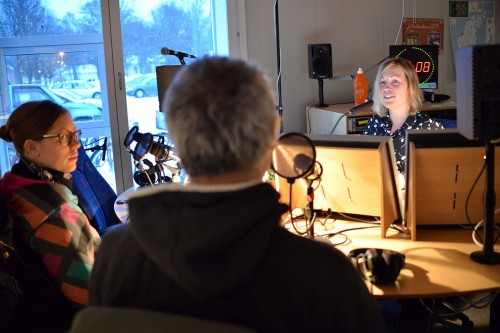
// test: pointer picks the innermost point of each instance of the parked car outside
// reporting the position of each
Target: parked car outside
(82, 88)
(142, 86)
(21, 93)
(71, 96)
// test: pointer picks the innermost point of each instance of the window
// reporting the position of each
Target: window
(60, 53)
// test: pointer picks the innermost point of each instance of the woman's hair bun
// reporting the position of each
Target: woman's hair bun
(5, 134)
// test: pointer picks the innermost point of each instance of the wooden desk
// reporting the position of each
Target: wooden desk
(121, 208)
(437, 265)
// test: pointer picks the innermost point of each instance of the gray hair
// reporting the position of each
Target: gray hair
(221, 115)
(415, 95)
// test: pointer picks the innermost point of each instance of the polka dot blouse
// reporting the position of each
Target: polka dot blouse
(381, 126)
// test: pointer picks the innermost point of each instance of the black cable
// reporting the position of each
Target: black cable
(338, 121)
(469, 222)
(341, 232)
(346, 239)
(470, 193)
(292, 222)
(308, 111)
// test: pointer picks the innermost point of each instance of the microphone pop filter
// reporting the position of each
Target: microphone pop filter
(294, 156)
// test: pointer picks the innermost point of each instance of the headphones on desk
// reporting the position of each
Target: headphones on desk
(378, 266)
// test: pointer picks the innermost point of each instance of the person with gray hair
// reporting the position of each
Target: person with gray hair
(214, 248)
(222, 118)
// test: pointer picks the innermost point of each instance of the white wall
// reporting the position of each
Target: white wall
(360, 32)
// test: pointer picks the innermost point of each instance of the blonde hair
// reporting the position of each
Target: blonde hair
(416, 99)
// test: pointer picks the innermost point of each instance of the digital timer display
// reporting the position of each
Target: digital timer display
(425, 60)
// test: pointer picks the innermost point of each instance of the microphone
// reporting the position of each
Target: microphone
(361, 107)
(160, 150)
(146, 145)
(167, 51)
(353, 111)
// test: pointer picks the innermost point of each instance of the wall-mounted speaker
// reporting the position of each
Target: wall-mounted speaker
(478, 91)
(320, 61)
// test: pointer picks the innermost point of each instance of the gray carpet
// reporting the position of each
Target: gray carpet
(479, 317)
(410, 316)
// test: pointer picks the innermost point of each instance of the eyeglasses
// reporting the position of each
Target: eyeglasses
(65, 138)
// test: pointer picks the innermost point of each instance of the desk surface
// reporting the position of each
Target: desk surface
(121, 206)
(438, 264)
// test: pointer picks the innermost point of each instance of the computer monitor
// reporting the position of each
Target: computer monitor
(164, 76)
(359, 177)
(442, 168)
(425, 60)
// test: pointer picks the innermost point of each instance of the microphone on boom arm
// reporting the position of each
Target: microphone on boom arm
(146, 145)
(178, 54)
(361, 107)
(353, 111)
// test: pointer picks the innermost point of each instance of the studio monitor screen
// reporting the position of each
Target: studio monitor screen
(478, 91)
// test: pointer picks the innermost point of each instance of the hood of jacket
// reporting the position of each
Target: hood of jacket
(208, 239)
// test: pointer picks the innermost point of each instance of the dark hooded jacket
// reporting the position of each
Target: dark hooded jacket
(220, 253)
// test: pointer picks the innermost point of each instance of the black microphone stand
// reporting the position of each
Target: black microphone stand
(488, 254)
(278, 64)
(320, 90)
(181, 59)
(491, 133)
(310, 213)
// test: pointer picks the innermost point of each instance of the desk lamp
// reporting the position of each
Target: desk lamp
(294, 157)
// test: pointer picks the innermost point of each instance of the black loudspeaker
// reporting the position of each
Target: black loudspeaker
(320, 61)
(478, 91)
(165, 75)
(378, 266)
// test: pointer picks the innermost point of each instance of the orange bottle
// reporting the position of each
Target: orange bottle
(360, 88)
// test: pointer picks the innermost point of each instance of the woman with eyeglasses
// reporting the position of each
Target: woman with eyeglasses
(47, 219)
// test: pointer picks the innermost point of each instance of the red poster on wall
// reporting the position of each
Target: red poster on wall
(423, 31)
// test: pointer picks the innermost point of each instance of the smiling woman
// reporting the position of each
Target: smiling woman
(397, 101)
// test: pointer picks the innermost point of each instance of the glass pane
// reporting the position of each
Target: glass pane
(57, 54)
(157, 39)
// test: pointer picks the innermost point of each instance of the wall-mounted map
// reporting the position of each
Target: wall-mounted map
(471, 23)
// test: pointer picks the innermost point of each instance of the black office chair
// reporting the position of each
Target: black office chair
(96, 319)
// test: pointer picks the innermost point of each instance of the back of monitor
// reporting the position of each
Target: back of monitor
(440, 182)
(357, 178)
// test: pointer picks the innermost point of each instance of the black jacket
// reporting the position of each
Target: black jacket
(219, 253)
